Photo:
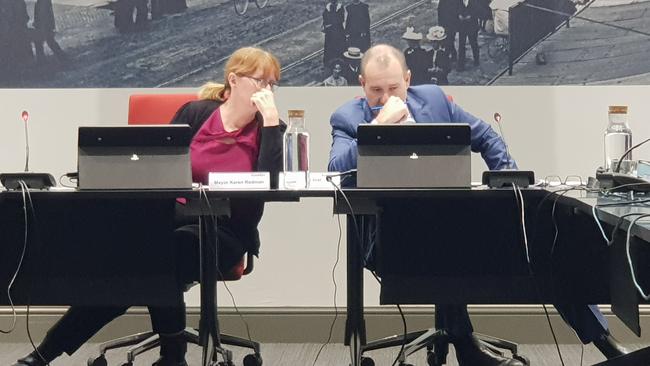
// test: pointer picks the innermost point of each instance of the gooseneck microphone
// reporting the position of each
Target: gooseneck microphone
(25, 117)
(27, 179)
(508, 176)
(497, 119)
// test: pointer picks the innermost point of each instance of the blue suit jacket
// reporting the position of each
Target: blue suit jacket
(427, 103)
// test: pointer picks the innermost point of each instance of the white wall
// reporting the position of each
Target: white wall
(551, 130)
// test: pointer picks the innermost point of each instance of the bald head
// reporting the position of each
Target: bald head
(383, 56)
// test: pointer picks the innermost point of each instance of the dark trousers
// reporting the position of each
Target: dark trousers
(472, 36)
(47, 37)
(80, 323)
(450, 41)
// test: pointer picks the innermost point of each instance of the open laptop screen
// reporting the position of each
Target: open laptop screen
(134, 157)
(420, 155)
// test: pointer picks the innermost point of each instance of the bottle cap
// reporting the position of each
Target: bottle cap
(296, 113)
(618, 109)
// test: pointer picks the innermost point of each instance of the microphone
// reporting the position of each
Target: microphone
(25, 117)
(497, 119)
(507, 177)
(31, 180)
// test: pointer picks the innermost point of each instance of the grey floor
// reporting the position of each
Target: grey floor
(304, 354)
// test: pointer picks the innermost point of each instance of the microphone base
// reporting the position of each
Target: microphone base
(11, 181)
(506, 178)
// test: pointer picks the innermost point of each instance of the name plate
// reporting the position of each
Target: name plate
(314, 181)
(239, 181)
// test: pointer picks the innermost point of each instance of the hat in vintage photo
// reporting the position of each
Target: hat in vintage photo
(353, 53)
(411, 35)
(436, 33)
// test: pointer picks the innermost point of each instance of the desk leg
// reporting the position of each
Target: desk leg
(208, 323)
(355, 326)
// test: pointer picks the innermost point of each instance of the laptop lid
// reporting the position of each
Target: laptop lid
(134, 157)
(418, 155)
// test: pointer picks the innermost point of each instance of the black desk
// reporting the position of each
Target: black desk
(112, 248)
(468, 233)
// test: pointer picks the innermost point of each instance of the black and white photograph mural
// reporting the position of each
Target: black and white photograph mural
(178, 43)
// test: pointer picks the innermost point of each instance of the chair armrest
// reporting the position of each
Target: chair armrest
(249, 263)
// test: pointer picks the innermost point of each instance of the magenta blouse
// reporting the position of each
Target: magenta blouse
(213, 149)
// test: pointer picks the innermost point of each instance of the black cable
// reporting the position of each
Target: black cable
(530, 267)
(336, 309)
(20, 263)
(232, 297)
(620, 160)
(401, 349)
(31, 277)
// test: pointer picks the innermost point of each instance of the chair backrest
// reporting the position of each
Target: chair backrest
(154, 109)
(160, 109)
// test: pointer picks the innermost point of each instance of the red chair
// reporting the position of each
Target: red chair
(160, 109)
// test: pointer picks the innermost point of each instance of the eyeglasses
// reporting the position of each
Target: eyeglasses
(569, 180)
(263, 83)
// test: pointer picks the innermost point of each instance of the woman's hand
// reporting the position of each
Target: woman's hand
(265, 104)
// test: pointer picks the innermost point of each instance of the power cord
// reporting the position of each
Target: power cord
(360, 243)
(20, 263)
(25, 189)
(336, 310)
(203, 195)
(519, 197)
(629, 256)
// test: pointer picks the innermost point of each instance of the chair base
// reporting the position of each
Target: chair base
(436, 341)
(143, 342)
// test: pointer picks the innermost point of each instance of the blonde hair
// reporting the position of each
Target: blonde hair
(245, 61)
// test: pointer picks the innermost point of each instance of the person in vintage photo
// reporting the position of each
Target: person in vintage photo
(333, 18)
(448, 18)
(357, 25)
(416, 57)
(468, 31)
(439, 57)
(336, 79)
(44, 30)
(351, 70)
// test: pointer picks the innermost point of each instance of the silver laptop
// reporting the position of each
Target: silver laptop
(135, 157)
(419, 155)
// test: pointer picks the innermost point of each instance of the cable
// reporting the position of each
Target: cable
(629, 256)
(20, 263)
(620, 160)
(520, 202)
(25, 188)
(203, 193)
(600, 226)
(401, 349)
(336, 310)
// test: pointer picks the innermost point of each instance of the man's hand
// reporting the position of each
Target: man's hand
(394, 111)
(265, 104)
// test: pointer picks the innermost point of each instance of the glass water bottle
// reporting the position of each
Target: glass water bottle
(618, 139)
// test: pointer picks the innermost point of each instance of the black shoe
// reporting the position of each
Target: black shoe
(30, 360)
(472, 352)
(165, 361)
(609, 346)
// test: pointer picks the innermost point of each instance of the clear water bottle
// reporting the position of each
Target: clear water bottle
(296, 146)
(618, 139)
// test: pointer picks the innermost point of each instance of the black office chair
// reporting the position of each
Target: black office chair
(436, 342)
(145, 341)
(160, 109)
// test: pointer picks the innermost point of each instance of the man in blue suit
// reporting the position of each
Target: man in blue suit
(385, 79)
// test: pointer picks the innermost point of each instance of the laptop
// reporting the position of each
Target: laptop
(418, 155)
(135, 157)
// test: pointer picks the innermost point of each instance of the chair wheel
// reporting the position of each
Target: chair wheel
(367, 361)
(253, 359)
(127, 364)
(97, 361)
(522, 358)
